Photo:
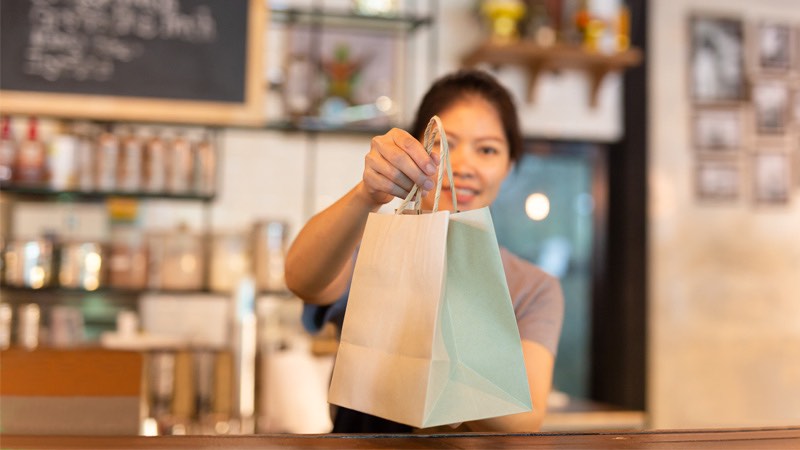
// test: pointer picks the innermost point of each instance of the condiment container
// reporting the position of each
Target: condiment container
(205, 166)
(107, 159)
(81, 265)
(154, 167)
(129, 169)
(269, 251)
(28, 321)
(180, 165)
(176, 260)
(229, 261)
(127, 259)
(29, 263)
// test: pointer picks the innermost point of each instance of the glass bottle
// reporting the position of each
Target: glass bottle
(154, 167)
(180, 163)
(205, 166)
(31, 164)
(8, 152)
(107, 156)
(129, 169)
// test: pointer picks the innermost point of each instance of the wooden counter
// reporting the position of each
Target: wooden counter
(728, 439)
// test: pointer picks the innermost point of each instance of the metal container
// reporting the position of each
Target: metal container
(269, 247)
(82, 265)
(29, 263)
(127, 260)
(230, 261)
(176, 261)
(28, 322)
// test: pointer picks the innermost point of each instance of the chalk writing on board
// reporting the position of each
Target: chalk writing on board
(84, 39)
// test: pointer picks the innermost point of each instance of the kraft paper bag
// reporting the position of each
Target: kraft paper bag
(429, 336)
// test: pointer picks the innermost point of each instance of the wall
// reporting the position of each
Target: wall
(724, 279)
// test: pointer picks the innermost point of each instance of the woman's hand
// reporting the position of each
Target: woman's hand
(395, 162)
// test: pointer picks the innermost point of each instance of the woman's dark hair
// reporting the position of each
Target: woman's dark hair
(454, 87)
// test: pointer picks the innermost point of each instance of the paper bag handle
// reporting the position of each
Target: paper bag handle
(434, 127)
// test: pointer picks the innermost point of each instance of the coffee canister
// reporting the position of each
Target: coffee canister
(29, 263)
(269, 251)
(127, 260)
(82, 265)
(229, 262)
(176, 260)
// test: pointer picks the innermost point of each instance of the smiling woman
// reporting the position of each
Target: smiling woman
(481, 124)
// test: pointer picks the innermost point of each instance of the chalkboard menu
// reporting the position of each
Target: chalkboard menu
(168, 60)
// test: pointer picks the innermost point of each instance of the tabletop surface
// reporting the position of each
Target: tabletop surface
(746, 438)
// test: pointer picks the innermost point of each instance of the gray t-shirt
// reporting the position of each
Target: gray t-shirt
(536, 296)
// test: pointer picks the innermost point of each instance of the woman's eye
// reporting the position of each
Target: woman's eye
(488, 150)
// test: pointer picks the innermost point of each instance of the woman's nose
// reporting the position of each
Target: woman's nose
(461, 162)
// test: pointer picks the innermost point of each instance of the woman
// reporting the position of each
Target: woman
(482, 129)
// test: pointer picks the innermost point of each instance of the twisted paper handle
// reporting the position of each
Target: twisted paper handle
(429, 140)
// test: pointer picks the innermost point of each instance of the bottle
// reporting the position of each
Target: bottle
(180, 161)
(31, 163)
(205, 166)
(8, 152)
(154, 167)
(107, 160)
(129, 169)
(85, 156)
(63, 159)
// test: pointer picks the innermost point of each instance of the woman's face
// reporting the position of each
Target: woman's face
(479, 155)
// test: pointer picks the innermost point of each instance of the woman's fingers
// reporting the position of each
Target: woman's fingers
(395, 163)
(378, 183)
(376, 162)
(411, 147)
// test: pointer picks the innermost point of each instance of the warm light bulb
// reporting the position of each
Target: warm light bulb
(537, 206)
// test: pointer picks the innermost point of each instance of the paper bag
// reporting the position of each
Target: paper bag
(429, 336)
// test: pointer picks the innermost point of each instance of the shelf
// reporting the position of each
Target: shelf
(537, 59)
(348, 19)
(93, 195)
(292, 127)
(121, 292)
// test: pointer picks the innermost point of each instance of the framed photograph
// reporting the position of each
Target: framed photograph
(774, 46)
(772, 180)
(771, 106)
(717, 129)
(337, 77)
(717, 59)
(718, 179)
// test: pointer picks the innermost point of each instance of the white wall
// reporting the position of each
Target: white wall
(724, 280)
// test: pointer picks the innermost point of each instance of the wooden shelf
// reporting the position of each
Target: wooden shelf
(347, 19)
(73, 194)
(537, 59)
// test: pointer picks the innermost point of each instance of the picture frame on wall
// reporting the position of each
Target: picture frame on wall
(771, 106)
(717, 129)
(774, 45)
(772, 180)
(717, 73)
(718, 179)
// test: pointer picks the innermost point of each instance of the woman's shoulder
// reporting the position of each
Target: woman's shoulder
(517, 266)
(528, 282)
